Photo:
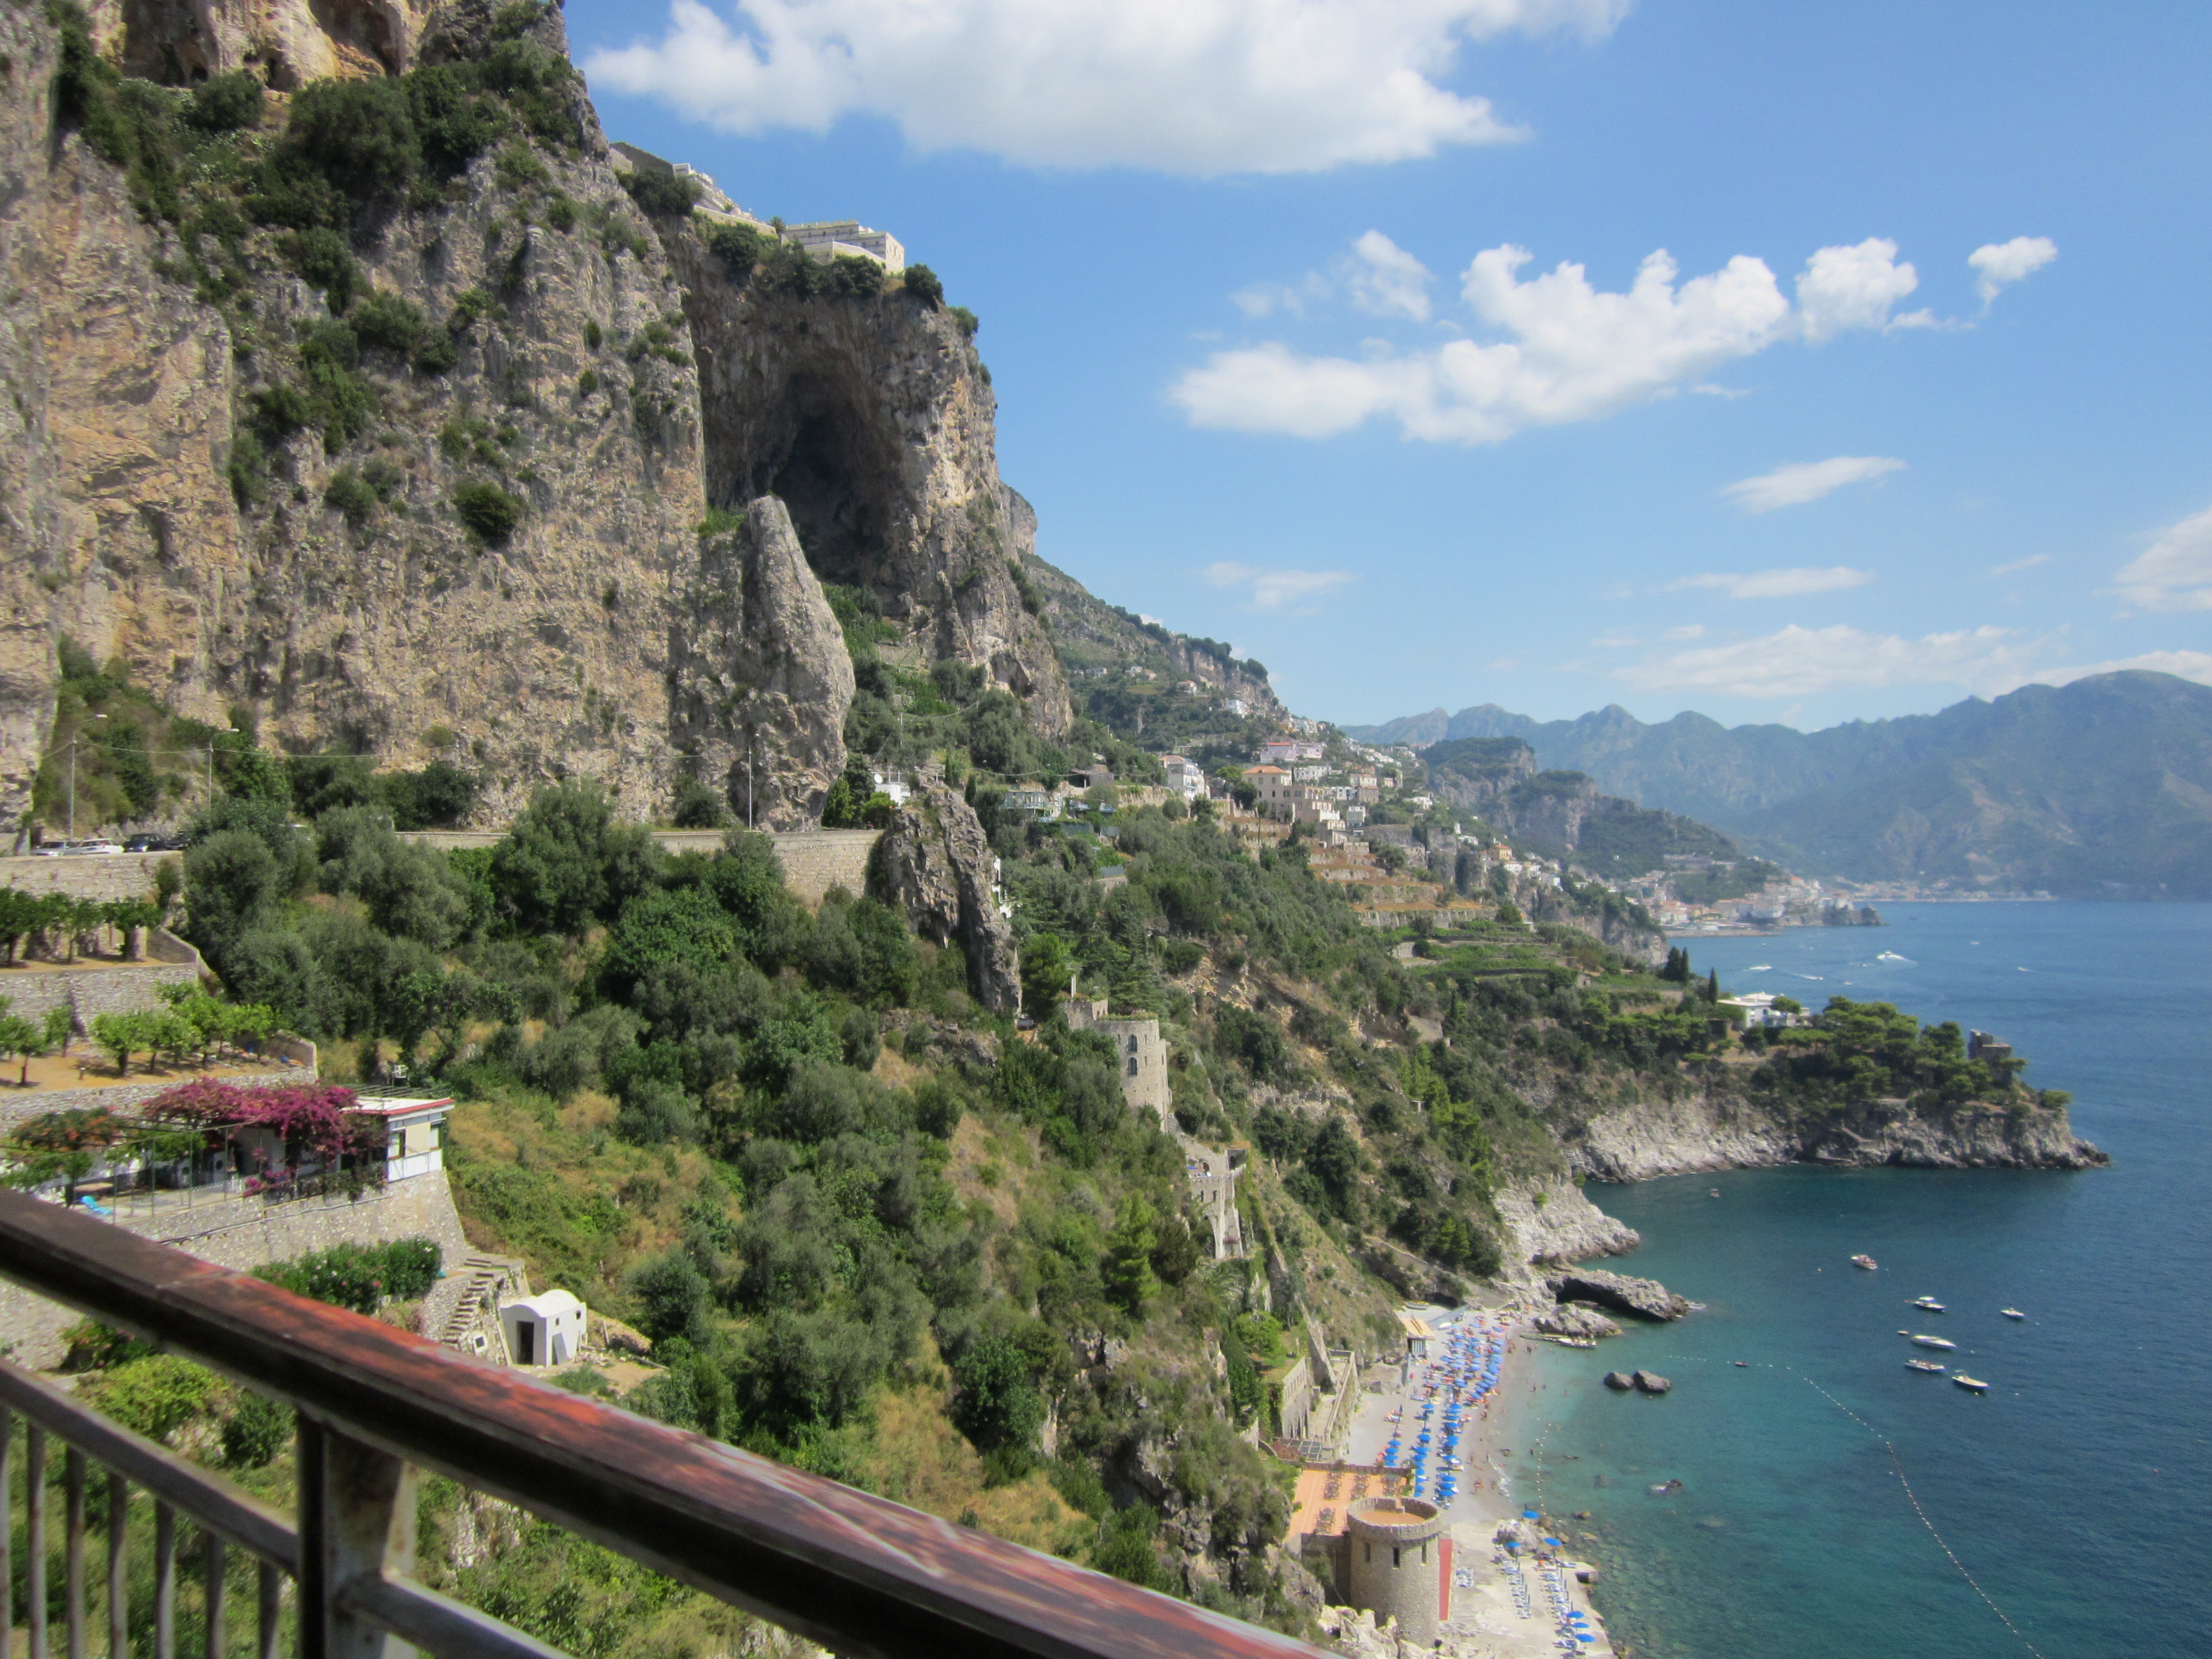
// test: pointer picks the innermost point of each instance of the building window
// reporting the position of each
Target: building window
(1395, 1556)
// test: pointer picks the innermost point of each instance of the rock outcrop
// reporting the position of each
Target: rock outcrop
(936, 865)
(1620, 1382)
(1645, 1299)
(289, 42)
(1651, 1382)
(1715, 1130)
(1577, 1320)
(760, 673)
(1550, 1220)
(874, 421)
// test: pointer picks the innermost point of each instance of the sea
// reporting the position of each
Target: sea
(1833, 1504)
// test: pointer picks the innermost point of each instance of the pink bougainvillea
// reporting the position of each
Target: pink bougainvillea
(318, 1116)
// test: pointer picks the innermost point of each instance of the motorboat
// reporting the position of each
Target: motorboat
(1927, 1305)
(1932, 1342)
(1924, 1365)
(1971, 1384)
(2012, 1313)
(1865, 1262)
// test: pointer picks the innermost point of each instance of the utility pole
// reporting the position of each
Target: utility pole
(748, 775)
(72, 788)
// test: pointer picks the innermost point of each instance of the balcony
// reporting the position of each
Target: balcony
(858, 1574)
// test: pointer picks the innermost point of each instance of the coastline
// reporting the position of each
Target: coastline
(1485, 1620)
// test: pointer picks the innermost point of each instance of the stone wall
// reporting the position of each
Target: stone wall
(815, 860)
(103, 876)
(248, 1232)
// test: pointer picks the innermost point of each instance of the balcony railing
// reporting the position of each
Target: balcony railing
(858, 1574)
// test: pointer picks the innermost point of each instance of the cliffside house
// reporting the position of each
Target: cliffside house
(1185, 777)
(1756, 1009)
(829, 239)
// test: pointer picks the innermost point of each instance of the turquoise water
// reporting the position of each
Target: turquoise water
(2076, 1492)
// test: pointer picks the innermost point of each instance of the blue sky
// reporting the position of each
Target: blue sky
(1273, 368)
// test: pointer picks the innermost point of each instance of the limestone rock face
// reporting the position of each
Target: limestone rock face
(762, 675)
(547, 656)
(874, 420)
(1719, 1130)
(290, 42)
(1646, 1298)
(1574, 1319)
(935, 863)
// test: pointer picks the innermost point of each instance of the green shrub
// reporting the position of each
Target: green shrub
(154, 1397)
(359, 135)
(411, 1267)
(434, 353)
(454, 122)
(279, 410)
(560, 215)
(966, 319)
(739, 248)
(587, 383)
(228, 103)
(348, 493)
(256, 1431)
(488, 511)
(661, 193)
(922, 282)
(248, 470)
(387, 320)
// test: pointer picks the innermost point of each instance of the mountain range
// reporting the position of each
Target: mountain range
(2102, 787)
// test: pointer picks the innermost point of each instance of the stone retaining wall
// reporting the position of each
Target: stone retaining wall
(248, 1232)
(815, 860)
(101, 876)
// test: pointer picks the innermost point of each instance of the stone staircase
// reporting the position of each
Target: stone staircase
(466, 1303)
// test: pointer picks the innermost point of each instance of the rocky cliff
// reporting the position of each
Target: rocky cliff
(1716, 1130)
(873, 420)
(377, 426)
(935, 863)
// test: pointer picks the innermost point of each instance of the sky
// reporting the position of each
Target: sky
(1795, 363)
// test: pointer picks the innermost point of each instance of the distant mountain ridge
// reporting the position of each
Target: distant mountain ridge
(2099, 788)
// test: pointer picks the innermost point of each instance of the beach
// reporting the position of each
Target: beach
(1515, 1595)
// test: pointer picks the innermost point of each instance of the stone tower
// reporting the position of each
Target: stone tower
(1396, 1563)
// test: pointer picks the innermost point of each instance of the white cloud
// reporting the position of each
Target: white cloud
(1808, 481)
(1776, 584)
(2175, 572)
(1274, 589)
(1570, 352)
(1574, 354)
(1799, 662)
(1693, 631)
(1201, 87)
(1386, 280)
(1854, 287)
(2000, 263)
(2018, 565)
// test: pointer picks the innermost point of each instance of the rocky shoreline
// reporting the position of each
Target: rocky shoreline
(1699, 1133)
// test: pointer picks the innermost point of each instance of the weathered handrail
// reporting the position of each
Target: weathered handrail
(859, 1574)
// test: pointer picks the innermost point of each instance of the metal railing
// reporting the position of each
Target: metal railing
(858, 1574)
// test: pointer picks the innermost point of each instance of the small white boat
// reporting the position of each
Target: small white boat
(2012, 1313)
(1865, 1262)
(1927, 1305)
(1971, 1384)
(1924, 1365)
(1932, 1342)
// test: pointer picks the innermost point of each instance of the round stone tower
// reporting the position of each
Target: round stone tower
(1396, 1564)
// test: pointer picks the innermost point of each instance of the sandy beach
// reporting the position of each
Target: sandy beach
(1515, 1602)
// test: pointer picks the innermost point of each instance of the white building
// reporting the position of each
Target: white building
(546, 1329)
(1185, 776)
(826, 239)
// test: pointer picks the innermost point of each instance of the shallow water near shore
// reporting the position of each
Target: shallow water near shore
(2078, 1492)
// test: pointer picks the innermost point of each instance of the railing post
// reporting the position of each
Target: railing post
(73, 1549)
(165, 1582)
(356, 1524)
(6, 1534)
(34, 1528)
(118, 1583)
